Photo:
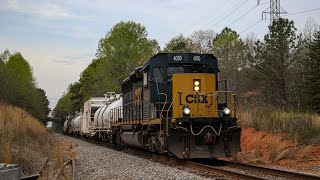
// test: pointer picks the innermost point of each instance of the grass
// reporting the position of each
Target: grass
(25, 141)
(302, 127)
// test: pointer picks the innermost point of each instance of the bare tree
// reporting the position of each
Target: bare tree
(310, 28)
(203, 39)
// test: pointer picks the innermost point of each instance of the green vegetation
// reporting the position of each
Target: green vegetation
(277, 66)
(179, 43)
(313, 74)
(18, 86)
(64, 106)
(233, 59)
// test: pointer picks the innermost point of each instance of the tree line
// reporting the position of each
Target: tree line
(281, 70)
(19, 88)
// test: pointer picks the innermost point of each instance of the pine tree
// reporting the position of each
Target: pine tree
(231, 53)
(313, 80)
(274, 60)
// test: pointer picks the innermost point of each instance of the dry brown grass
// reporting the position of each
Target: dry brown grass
(273, 136)
(301, 127)
(25, 141)
(259, 147)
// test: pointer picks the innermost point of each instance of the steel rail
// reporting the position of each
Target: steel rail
(31, 177)
(74, 170)
(224, 172)
(274, 171)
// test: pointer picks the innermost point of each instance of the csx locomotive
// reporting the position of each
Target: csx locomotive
(173, 104)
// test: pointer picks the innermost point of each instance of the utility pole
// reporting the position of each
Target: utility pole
(275, 10)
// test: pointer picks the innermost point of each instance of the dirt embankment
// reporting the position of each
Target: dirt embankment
(274, 150)
(25, 141)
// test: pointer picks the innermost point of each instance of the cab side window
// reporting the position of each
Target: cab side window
(158, 74)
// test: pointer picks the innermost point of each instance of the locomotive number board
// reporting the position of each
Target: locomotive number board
(184, 58)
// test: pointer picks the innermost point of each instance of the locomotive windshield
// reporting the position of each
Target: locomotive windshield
(189, 68)
(174, 70)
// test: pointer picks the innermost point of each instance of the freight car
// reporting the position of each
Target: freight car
(172, 104)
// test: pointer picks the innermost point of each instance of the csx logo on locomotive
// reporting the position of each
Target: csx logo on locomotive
(196, 98)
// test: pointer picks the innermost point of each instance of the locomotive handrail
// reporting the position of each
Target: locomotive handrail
(167, 125)
(162, 110)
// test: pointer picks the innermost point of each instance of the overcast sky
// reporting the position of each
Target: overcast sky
(59, 38)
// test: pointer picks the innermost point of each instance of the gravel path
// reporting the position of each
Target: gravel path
(97, 162)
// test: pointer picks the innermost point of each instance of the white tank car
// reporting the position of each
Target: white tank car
(75, 124)
(111, 112)
(65, 126)
(98, 114)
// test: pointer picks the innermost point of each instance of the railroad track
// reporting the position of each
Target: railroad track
(275, 171)
(212, 170)
(74, 170)
(247, 171)
(219, 168)
(227, 169)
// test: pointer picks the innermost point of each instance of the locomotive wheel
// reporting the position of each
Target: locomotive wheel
(152, 146)
(170, 154)
(119, 142)
(160, 147)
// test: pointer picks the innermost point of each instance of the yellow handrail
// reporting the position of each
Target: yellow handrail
(162, 110)
(167, 118)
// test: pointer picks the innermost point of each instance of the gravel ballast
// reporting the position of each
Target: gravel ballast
(98, 162)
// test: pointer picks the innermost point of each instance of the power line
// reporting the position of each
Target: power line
(237, 7)
(242, 15)
(229, 14)
(302, 12)
(250, 26)
(215, 18)
(283, 15)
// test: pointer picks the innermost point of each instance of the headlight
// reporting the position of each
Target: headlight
(226, 111)
(186, 111)
(196, 84)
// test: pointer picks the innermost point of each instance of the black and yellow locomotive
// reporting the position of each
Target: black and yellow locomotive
(174, 104)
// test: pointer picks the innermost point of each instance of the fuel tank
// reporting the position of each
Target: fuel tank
(134, 139)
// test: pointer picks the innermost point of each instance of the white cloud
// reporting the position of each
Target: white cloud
(44, 9)
(71, 60)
